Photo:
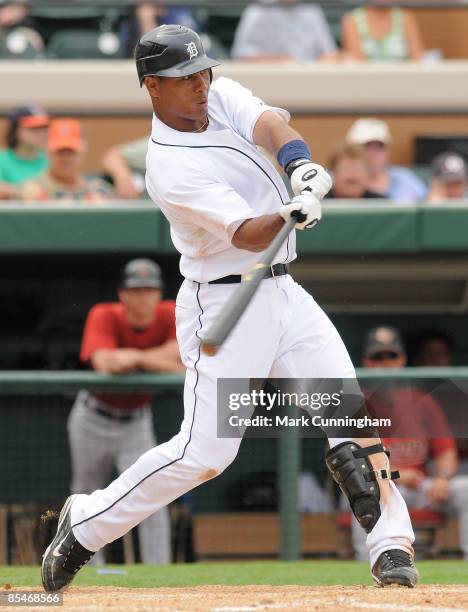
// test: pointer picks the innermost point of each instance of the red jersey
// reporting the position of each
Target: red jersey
(420, 430)
(106, 327)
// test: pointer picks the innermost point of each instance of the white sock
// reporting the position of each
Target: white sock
(335, 441)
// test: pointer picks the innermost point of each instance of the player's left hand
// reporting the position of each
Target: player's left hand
(306, 208)
(310, 177)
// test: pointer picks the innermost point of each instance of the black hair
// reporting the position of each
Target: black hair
(435, 334)
(12, 135)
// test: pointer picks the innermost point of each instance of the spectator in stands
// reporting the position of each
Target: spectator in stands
(351, 174)
(434, 349)
(148, 15)
(64, 180)
(449, 178)
(126, 164)
(381, 34)
(423, 434)
(17, 28)
(25, 157)
(395, 182)
(291, 30)
(136, 334)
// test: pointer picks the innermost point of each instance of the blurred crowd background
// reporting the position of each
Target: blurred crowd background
(33, 168)
(395, 284)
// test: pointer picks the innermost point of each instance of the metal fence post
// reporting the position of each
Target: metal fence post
(289, 447)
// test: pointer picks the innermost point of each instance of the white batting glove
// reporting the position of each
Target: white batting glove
(309, 208)
(307, 176)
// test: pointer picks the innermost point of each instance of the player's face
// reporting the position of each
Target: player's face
(181, 102)
(66, 163)
(455, 189)
(33, 138)
(435, 353)
(378, 155)
(140, 303)
(350, 178)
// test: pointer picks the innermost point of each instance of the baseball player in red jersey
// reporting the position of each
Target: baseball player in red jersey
(226, 203)
(112, 430)
(420, 434)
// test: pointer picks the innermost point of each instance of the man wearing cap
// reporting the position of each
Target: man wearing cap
(64, 180)
(226, 203)
(419, 433)
(25, 157)
(449, 178)
(395, 182)
(113, 430)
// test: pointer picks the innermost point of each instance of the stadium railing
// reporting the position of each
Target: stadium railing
(34, 407)
(347, 227)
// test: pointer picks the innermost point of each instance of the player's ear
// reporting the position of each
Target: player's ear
(152, 84)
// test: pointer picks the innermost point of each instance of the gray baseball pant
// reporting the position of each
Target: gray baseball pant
(98, 443)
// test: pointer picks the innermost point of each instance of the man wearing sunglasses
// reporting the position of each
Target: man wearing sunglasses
(419, 434)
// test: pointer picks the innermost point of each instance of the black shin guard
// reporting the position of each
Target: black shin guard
(352, 470)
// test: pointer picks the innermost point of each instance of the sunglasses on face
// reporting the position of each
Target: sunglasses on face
(384, 356)
(376, 144)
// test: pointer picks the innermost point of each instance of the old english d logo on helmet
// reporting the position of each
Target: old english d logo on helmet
(192, 49)
(171, 51)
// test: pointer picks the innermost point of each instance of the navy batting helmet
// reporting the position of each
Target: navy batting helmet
(171, 51)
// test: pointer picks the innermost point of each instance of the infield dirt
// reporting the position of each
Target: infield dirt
(425, 598)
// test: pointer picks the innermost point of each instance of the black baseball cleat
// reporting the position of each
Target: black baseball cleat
(64, 555)
(395, 566)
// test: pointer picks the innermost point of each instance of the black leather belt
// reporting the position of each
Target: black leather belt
(116, 416)
(272, 271)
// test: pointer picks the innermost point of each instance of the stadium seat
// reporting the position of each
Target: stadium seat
(84, 44)
(333, 16)
(423, 171)
(214, 47)
(222, 21)
(21, 43)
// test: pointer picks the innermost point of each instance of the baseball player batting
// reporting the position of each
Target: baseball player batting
(226, 203)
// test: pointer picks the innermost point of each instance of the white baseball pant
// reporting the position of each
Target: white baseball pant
(284, 334)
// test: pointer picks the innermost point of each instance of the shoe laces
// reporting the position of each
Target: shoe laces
(398, 558)
(77, 556)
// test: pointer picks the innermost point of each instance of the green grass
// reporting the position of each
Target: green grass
(249, 572)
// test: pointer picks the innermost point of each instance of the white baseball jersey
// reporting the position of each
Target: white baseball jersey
(207, 184)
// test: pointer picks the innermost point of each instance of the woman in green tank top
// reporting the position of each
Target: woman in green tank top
(381, 34)
(24, 158)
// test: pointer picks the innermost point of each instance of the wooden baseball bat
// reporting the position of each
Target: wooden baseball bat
(232, 311)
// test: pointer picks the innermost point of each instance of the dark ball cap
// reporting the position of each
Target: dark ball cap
(29, 116)
(141, 273)
(171, 51)
(383, 339)
(450, 167)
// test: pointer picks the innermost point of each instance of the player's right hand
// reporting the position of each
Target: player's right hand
(306, 207)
